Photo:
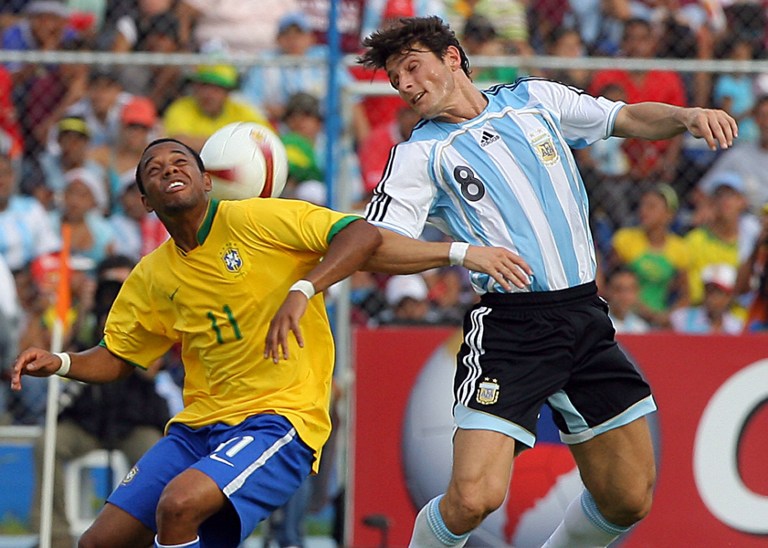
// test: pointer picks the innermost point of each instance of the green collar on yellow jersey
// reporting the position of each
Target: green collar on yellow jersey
(205, 227)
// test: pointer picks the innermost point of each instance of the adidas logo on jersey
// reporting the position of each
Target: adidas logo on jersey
(487, 138)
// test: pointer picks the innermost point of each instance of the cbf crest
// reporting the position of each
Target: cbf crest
(488, 392)
(232, 259)
(545, 149)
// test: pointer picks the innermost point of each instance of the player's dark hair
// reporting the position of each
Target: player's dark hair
(193, 152)
(404, 36)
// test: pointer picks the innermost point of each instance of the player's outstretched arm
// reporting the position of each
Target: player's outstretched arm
(346, 254)
(96, 365)
(651, 120)
(400, 254)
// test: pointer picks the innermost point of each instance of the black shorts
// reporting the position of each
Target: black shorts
(522, 350)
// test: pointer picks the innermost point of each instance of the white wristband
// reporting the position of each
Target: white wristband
(457, 252)
(66, 363)
(305, 286)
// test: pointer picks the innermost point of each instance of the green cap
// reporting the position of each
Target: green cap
(224, 76)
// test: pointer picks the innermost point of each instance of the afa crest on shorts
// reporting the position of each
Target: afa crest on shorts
(488, 392)
(233, 261)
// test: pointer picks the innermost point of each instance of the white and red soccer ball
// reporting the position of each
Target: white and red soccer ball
(245, 160)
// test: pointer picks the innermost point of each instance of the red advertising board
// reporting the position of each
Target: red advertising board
(712, 487)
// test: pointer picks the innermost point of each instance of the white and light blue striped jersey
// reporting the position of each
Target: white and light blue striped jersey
(505, 178)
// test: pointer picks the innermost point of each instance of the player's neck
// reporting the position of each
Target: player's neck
(184, 226)
(470, 103)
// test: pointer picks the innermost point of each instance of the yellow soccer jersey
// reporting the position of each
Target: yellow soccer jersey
(705, 248)
(218, 300)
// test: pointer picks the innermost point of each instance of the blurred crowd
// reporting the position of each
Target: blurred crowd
(681, 231)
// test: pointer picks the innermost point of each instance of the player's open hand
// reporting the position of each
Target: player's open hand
(502, 265)
(34, 362)
(715, 126)
(286, 319)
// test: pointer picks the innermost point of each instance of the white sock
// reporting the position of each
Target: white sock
(430, 531)
(195, 543)
(583, 526)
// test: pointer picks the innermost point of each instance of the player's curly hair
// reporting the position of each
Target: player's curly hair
(193, 152)
(430, 32)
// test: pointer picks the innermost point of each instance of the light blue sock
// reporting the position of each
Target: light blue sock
(430, 530)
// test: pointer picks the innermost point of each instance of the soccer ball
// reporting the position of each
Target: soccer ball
(245, 160)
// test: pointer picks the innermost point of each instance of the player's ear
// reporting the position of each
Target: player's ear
(453, 57)
(207, 183)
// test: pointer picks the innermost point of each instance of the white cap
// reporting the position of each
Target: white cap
(92, 181)
(722, 275)
(409, 285)
(312, 191)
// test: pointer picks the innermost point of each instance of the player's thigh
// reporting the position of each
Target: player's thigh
(482, 464)
(619, 464)
(257, 465)
(116, 528)
(139, 492)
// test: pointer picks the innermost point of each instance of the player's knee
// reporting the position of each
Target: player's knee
(475, 502)
(629, 507)
(177, 506)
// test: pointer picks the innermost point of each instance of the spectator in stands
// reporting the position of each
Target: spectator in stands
(84, 200)
(101, 106)
(374, 151)
(657, 256)
(479, 38)
(567, 42)
(622, 293)
(135, 21)
(271, 86)
(43, 28)
(9, 123)
(45, 97)
(73, 136)
(231, 25)
(128, 415)
(10, 321)
(303, 139)
(208, 107)
(600, 23)
(509, 18)
(749, 160)
(379, 13)
(138, 231)
(408, 302)
(729, 234)
(25, 232)
(714, 315)
(735, 92)
(605, 169)
(752, 279)
(138, 121)
(381, 109)
(652, 161)
(161, 83)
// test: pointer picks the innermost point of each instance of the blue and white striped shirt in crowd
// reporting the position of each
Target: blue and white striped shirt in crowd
(505, 178)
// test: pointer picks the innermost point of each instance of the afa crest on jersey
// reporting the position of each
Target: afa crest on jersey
(488, 392)
(545, 149)
(232, 259)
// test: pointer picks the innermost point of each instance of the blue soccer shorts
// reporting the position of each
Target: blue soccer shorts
(258, 464)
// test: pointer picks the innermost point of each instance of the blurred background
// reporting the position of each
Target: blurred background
(680, 230)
